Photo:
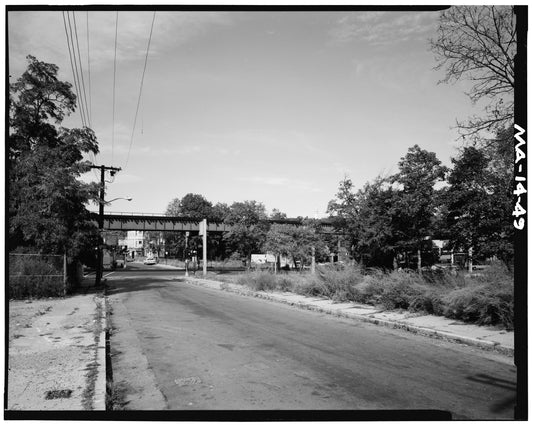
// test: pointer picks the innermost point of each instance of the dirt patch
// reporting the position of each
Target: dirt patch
(58, 394)
(51, 353)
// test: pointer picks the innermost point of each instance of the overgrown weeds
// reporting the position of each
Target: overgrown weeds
(485, 299)
(34, 277)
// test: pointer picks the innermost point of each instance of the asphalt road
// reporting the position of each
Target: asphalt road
(207, 349)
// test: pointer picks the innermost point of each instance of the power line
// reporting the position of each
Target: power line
(92, 155)
(76, 78)
(140, 89)
(81, 82)
(81, 70)
(77, 75)
(114, 84)
(89, 69)
(72, 66)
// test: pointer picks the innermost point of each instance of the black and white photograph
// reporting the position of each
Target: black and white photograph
(265, 212)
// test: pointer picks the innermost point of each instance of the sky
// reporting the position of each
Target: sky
(276, 107)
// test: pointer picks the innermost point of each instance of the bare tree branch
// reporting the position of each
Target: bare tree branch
(478, 44)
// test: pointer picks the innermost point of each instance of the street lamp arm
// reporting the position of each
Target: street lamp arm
(116, 199)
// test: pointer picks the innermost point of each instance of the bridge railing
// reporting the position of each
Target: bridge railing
(133, 214)
(164, 222)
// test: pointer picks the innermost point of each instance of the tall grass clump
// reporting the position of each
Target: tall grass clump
(488, 299)
(258, 280)
(404, 289)
(335, 282)
(264, 280)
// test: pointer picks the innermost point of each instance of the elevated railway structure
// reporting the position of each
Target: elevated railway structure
(164, 223)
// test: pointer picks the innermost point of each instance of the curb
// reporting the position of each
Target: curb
(483, 344)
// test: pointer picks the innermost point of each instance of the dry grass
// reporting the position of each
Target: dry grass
(485, 299)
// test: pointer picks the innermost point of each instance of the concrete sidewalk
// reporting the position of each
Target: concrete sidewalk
(486, 337)
(57, 354)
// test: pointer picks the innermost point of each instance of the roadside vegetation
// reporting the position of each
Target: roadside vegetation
(485, 298)
(34, 277)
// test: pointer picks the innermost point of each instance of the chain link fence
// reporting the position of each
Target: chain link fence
(37, 276)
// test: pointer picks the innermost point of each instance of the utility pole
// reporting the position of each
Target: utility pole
(100, 265)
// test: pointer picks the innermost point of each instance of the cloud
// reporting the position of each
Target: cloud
(297, 185)
(399, 73)
(271, 181)
(380, 28)
(42, 33)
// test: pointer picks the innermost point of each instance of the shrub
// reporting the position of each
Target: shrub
(35, 277)
(371, 288)
(258, 280)
(285, 284)
(337, 283)
(400, 287)
(398, 295)
(487, 300)
(429, 301)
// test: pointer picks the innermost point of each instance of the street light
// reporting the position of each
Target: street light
(100, 260)
(116, 199)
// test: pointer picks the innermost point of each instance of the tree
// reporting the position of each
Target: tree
(296, 242)
(277, 215)
(37, 100)
(220, 211)
(478, 43)
(279, 240)
(479, 200)
(192, 205)
(366, 216)
(46, 200)
(247, 212)
(248, 228)
(196, 207)
(414, 208)
(344, 211)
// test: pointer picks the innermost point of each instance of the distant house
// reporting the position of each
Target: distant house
(268, 260)
(134, 242)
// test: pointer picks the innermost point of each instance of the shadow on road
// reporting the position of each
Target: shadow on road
(507, 402)
(135, 285)
(497, 382)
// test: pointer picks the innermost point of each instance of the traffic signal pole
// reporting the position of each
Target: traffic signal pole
(101, 201)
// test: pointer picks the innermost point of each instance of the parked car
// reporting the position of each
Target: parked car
(150, 261)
